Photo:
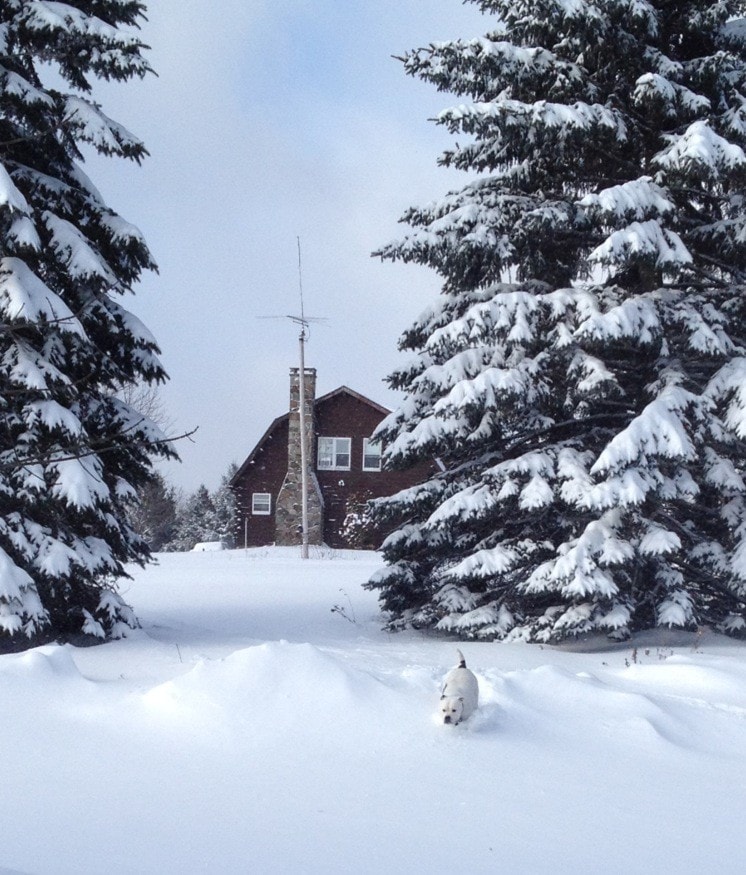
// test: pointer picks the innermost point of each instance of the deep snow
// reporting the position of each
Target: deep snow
(250, 728)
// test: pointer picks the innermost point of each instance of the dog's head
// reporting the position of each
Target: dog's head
(451, 708)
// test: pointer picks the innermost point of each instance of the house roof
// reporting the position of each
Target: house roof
(346, 390)
(342, 390)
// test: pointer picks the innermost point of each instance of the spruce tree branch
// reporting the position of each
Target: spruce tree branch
(695, 572)
(728, 269)
(28, 138)
(514, 448)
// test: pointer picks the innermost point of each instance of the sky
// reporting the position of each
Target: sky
(270, 122)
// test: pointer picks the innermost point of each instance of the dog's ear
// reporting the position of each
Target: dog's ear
(442, 696)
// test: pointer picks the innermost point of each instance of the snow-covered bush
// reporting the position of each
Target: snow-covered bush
(583, 375)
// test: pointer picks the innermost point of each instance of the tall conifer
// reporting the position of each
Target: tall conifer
(582, 376)
(71, 452)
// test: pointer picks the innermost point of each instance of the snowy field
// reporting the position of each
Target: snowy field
(250, 728)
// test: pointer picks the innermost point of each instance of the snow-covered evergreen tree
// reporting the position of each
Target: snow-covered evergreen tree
(226, 509)
(152, 513)
(582, 377)
(206, 516)
(71, 452)
(196, 521)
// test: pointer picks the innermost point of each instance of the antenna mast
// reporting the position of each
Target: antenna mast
(303, 436)
(302, 413)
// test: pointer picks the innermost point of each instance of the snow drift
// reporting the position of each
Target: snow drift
(199, 745)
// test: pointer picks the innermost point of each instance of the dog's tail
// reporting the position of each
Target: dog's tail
(461, 660)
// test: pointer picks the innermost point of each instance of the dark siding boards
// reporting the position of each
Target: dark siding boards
(342, 413)
(264, 472)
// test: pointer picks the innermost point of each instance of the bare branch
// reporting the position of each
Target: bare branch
(91, 449)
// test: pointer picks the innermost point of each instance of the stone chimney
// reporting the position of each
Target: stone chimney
(289, 507)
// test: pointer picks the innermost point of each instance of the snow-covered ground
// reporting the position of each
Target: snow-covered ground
(261, 722)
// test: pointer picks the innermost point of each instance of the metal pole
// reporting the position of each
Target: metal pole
(303, 450)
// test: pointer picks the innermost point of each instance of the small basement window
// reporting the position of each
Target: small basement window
(371, 455)
(333, 454)
(261, 503)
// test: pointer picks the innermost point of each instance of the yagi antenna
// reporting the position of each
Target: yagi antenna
(302, 320)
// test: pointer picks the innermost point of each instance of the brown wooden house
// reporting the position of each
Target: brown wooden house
(344, 469)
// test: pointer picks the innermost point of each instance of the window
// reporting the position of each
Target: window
(371, 455)
(334, 454)
(261, 503)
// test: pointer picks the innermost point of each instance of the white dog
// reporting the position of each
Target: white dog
(459, 697)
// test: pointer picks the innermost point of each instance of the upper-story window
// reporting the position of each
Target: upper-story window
(371, 455)
(261, 503)
(334, 454)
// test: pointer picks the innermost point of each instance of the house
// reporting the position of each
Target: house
(344, 469)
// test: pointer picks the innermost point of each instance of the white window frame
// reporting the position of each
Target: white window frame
(256, 504)
(340, 446)
(367, 444)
